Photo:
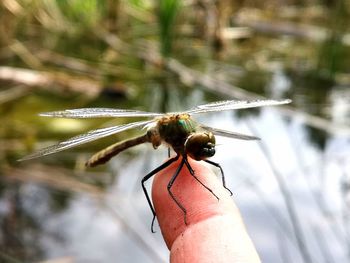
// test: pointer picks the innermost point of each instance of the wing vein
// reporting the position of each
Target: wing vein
(229, 134)
(98, 113)
(235, 105)
(85, 138)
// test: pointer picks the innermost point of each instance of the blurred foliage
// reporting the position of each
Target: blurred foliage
(88, 52)
(167, 12)
(83, 13)
(99, 42)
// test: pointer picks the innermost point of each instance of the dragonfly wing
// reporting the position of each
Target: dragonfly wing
(85, 138)
(229, 134)
(235, 105)
(99, 113)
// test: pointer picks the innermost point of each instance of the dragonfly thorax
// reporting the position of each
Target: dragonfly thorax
(174, 130)
(179, 132)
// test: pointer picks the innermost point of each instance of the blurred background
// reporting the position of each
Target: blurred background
(293, 187)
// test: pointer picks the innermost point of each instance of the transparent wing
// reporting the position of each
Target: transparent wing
(99, 113)
(85, 138)
(235, 105)
(229, 134)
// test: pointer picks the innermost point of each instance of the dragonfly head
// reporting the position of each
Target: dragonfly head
(200, 146)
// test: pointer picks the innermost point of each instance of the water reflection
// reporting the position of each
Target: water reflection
(116, 222)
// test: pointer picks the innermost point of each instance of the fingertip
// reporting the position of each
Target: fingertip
(214, 232)
(198, 201)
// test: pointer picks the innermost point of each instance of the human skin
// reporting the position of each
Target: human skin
(214, 232)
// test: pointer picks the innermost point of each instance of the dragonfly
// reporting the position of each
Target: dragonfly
(177, 130)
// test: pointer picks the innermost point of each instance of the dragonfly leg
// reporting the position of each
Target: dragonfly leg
(222, 174)
(148, 176)
(195, 177)
(170, 184)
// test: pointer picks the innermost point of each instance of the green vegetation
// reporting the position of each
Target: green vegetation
(163, 56)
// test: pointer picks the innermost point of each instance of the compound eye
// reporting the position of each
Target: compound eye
(200, 146)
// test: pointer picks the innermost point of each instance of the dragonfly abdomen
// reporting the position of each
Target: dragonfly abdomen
(106, 154)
